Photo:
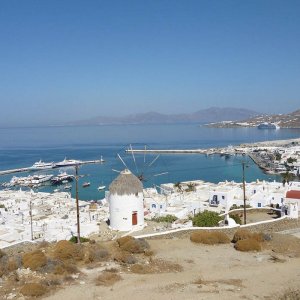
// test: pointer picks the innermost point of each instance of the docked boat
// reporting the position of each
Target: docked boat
(40, 165)
(30, 180)
(267, 125)
(86, 184)
(67, 187)
(62, 178)
(101, 187)
(68, 162)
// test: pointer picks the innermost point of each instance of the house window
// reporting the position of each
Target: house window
(153, 205)
(254, 192)
(281, 200)
(160, 206)
(258, 204)
(223, 197)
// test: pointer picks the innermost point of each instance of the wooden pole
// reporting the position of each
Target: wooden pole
(77, 205)
(30, 211)
(244, 191)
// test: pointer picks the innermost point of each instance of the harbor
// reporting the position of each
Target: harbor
(54, 166)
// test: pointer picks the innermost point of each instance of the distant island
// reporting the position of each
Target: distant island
(290, 120)
(213, 114)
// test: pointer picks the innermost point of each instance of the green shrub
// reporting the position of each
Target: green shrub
(167, 219)
(236, 218)
(73, 239)
(206, 219)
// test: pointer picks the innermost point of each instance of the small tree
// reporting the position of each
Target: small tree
(206, 219)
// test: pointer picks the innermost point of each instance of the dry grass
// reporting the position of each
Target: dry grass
(95, 253)
(34, 260)
(290, 294)
(243, 234)
(65, 250)
(65, 269)
(132, 245)
(209, 237)
(284, 244)
(232, 282)
(108, 278)
(247, 245)
(156, 266)
(33, 289)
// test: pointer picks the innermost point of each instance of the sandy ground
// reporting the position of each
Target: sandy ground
(209, 272)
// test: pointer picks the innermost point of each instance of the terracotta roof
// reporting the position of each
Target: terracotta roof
(293, 194)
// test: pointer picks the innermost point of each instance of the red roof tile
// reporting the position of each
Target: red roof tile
(293, 194)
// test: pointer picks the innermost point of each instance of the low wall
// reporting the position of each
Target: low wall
(269, 226)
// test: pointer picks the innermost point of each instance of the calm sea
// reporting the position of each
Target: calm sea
(21, 147)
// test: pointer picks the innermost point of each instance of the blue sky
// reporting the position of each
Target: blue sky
(68, 60)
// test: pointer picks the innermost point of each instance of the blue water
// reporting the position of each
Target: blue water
(21, 147)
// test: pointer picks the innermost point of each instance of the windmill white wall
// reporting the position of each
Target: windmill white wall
(126, 205)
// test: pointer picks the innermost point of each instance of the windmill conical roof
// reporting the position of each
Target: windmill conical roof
(125, 184)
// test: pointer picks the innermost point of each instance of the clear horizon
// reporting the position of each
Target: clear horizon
(71, 60)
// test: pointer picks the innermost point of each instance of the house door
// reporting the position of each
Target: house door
(134, 218)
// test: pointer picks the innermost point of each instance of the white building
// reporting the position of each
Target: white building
(126, 202)
(292, 202)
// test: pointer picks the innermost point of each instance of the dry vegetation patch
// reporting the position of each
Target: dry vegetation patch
(156, 266)
(65, 250)
(284, 244)
(132, 245)
(33, 289)
(247, 245)
(209, 237)
(232, 282)
(243, 234)
(108, 278)
(34, 260)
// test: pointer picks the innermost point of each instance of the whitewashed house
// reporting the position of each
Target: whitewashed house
(292, 204)
(126, 202)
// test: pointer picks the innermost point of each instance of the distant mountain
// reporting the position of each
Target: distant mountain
(290, 120)
(213, 114)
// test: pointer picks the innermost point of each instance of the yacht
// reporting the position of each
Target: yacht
(101, 187)
(86, 184)
(62, 178)
(267, 125)
(40, 165)
(68, 162)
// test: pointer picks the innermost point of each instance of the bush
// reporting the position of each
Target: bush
(74, 239)
(65, 250)
(96, 253)
(167, 219)
(33, 289)
(243, 234)
(247, 245)
(206, 219)
(209, 238)
(65, 268)
(236, 218)
(34, 260)
(132, 245)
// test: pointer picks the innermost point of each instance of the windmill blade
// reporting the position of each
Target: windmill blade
(122, 161)
(160, 174)
(154, 160)
(137, 170)
(116, 171)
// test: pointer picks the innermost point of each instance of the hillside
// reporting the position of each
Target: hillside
(290, 120)
(213, 114)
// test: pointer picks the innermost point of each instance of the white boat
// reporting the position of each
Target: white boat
(101, 187)
(40, 165)
(267, 125)
(67, 187)
(86, 184)
(68, 162)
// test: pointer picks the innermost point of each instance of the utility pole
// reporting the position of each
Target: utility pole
(77, 205)
(244, 191)
(30, 213)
